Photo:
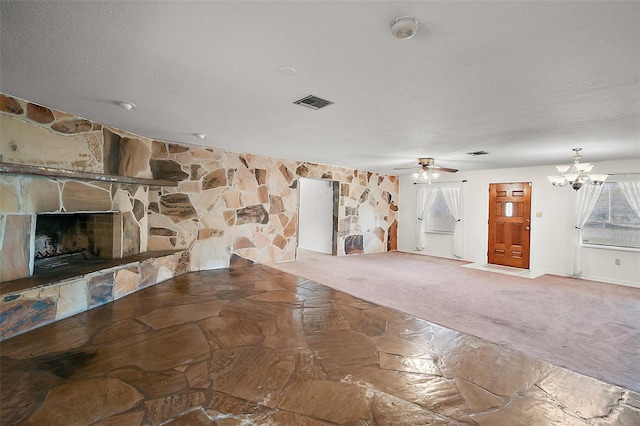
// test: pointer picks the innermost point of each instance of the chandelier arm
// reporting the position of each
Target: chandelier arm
(577, 174)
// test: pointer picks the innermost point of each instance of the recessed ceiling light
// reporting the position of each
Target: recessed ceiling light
(404, 27)
(200, 136)
(125, 105)
(286, 71)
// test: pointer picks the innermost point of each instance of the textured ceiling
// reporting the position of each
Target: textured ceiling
(525, 81)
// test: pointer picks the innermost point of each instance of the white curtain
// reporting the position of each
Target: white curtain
(630, 186)
(452, 196)
(587, 196)
(426, 196)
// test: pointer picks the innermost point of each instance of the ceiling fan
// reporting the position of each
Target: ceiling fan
(428, 170)
(426, 164)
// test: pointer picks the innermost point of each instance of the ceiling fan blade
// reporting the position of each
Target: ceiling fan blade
(443, 169)
(405, 168)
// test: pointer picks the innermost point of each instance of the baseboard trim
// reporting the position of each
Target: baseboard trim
(610, 281)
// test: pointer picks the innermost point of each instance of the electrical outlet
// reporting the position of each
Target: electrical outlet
(617, 261)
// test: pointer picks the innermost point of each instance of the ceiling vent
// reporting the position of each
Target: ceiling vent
(313, 102)
(476, 153)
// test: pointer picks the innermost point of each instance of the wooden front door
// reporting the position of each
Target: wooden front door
(509, 224)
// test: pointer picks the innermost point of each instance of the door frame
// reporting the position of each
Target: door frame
(335, 187)
(525, 223)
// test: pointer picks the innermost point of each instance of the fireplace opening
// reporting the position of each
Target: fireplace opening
(63, 239)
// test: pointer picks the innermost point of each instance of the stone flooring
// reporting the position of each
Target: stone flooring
(258, 346)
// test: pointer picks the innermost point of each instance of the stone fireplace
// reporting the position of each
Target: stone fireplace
(68, 245)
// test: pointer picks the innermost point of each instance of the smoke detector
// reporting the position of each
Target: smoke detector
(404, 27)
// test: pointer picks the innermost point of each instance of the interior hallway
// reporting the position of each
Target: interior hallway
(588, 327)
(259, 346)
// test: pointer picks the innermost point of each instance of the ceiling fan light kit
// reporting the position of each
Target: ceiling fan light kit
(577, 174)
(425, 175)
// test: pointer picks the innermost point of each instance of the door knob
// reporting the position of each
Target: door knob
(526, 228)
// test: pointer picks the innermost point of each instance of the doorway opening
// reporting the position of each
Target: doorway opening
(318, 215)
(509, 224)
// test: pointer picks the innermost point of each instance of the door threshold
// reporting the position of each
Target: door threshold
(506, 270)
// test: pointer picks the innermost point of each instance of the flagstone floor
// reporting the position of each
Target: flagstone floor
(258, 346)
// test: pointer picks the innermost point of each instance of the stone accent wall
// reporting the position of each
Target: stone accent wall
(225, 201)
(40, 136)
(250, 204)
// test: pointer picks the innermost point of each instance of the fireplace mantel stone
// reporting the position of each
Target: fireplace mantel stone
(52, 172)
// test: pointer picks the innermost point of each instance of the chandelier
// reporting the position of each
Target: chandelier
(577, 174)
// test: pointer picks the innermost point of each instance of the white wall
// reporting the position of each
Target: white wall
(550, 233)
(316, 215)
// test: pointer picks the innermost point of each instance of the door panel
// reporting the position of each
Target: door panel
(509, 224)
(500, 233)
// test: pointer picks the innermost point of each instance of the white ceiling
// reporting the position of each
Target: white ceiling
(525, 81)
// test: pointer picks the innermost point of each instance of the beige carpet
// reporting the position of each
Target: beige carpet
(589, 327)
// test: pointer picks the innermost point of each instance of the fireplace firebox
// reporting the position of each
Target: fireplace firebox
(63, 238)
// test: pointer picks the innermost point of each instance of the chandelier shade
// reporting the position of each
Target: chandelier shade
(577, 174)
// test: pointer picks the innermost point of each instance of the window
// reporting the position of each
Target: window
(438, 218)
(613, 221)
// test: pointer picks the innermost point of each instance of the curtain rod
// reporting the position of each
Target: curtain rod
(444, 181)
(464, 180)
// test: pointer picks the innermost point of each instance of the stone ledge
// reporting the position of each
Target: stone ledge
(56, 275)
(52, 172)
